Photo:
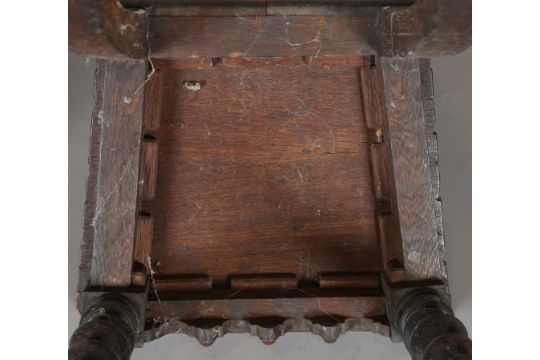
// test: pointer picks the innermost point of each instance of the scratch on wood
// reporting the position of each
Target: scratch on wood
(307, 110)
(114, 190)
(316, 39)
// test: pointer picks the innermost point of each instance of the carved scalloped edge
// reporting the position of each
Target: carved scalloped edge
(267, 334)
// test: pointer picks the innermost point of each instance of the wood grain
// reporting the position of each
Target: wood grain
(149, 168)
(280, 307)
(87, 243)
(423, 258)
(264, 281)
(262, 36)
(428, 95)
(294, 166)
(152, 101)
(371, 99)
(143, 241)
(104, 28)
(349, 280)
(174, 3)
(241, 63)
(181, 283)
(427, 28)
(260, 165)
(383, 176)
(267, 318)
(114, 218)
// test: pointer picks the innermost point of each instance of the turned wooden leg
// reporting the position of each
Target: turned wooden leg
(426, 323)
(107, 330)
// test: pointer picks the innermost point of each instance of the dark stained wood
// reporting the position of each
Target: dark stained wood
(149, 168)
(241, 63)
(176, 3)
(108, 329)
(423, 249)
(382, 176)
(426, 78)
(265, 162)
(283, 315)
(208, 178)
(264, 281)
(358, 3)
(302, 8)
(281, 183)
(427, 28)
(349, 280)
(103, 28)
(181, 283)
(152, 100)
(198, 9)
(117, 160)
(281, 307)
(258, 9)
(391, 246)
(381, 171)
(87, 243)
(297, 168)
(371, 98)
(262, 36)
(143, 241)
(424, 319)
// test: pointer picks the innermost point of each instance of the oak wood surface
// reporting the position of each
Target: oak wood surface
(174, 3)
(269, 168)
(262, 36)
(104, 28)
(382, 174)
(368, 305)
(87, 243)
(427, 28)
(111, 220)
(149, 164)
(262, 172)
(428, 96)
(423, 250)
(266, 179)
(309, 314)
(143, 240)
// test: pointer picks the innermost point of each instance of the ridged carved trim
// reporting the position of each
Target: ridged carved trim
(107, 330)
(424, 319)
(206, 336)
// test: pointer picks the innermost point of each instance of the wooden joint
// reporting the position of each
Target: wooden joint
(381, 169)
(104, 28)
(391, 249)
(427, 28)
